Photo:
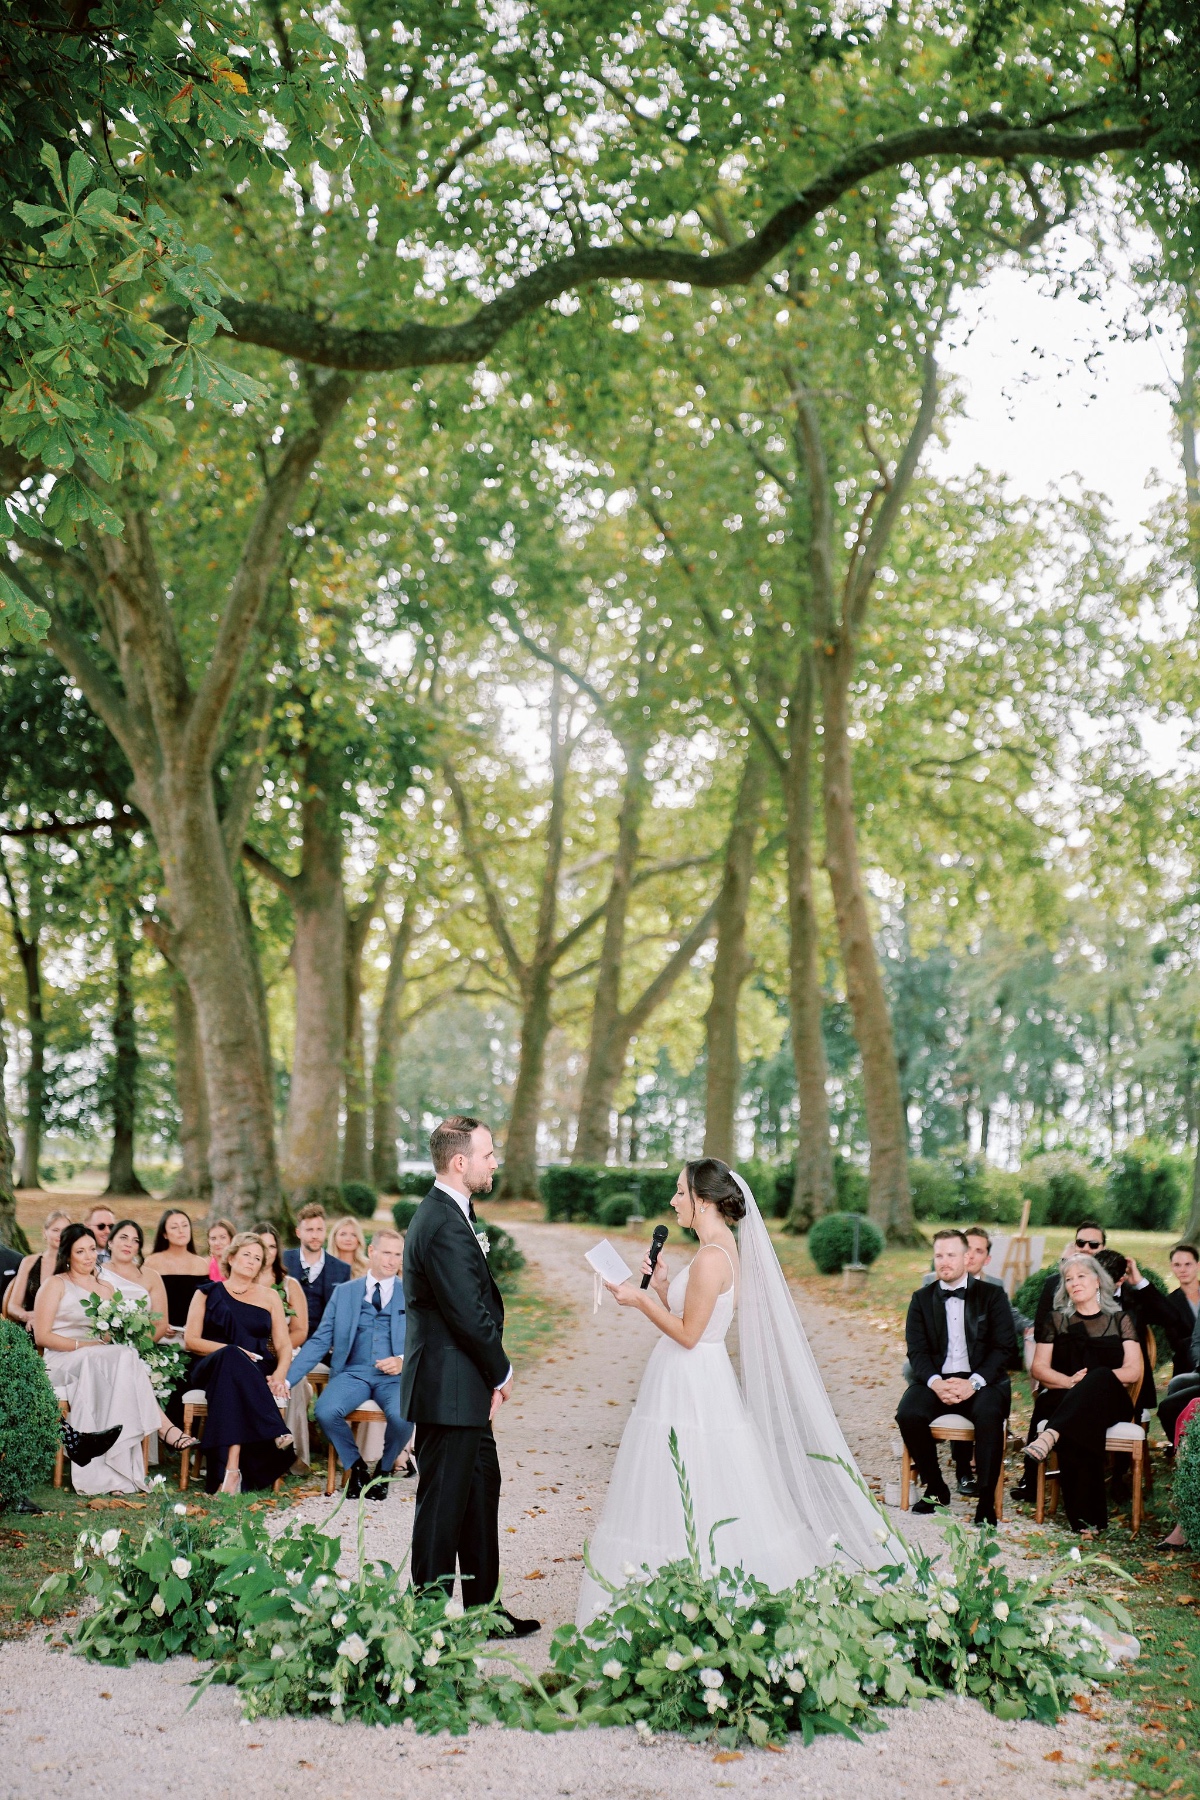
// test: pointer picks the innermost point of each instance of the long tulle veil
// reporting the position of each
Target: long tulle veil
(786, 1397)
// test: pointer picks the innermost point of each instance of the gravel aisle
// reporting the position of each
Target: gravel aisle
(69, 1729)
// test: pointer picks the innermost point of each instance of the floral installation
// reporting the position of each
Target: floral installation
(122, 1320)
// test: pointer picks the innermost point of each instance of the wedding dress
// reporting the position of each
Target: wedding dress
(766, 1453)
(104, 1385)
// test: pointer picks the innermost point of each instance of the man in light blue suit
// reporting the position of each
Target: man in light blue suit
(361, 1336)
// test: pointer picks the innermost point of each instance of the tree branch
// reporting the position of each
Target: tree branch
(863, 574)
(549, 658)
(262, 865)
(636, 1015)
(495, 910)
(410, 346)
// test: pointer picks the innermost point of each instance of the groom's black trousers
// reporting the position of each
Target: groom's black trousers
(987, 1411)
(458, 1506)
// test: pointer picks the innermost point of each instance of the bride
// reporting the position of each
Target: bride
(767, 1455)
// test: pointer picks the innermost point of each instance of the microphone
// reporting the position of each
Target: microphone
(656, 1244)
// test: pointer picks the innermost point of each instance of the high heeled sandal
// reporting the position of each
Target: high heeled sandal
(236, 1477)
(1040, 1447)
(179, 1440)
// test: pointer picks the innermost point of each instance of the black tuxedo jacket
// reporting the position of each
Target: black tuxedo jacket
(454, 1356)
(1181, 1325)
(987, 1322)
(333, 1272)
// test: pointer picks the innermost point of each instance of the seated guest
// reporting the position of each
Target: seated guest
(1185, 1302)
(362, 1337)
(961, 1345)
(239, 1332)
(10, 1266)
(125, 1272)
(979, 1249)
(1147, 1308)
(1090, 1239)
(106, 1386)
(348, 1241)
(295, 1310)
(100, 1220)
(319, 1272)
(175, 1258)
(1086, 1359)
(220, 1236)
(22, 1291)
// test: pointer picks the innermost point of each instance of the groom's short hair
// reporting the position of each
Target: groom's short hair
(452, 1138)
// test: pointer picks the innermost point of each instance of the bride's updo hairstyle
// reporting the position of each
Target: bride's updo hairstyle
(712, 1180)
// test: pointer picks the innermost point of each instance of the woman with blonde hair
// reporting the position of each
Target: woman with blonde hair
(239, 1331)
(22, 1290)
(348, 1241)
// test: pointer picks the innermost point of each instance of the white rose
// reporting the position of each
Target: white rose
(758, 1629)
(158, 1606)
(338, 1620)
(344, 1584)
(409, 1685)
(352, 1648)
(950, 1603)
(834, 1542)
(1001, 1610)
(674, 1660)
(277, 1652)
(711, 1678)
(690, 1610)
(431, 1656)
(214, 1631)
(1075, 1553)
(181, 1567)
(210, 1606)
(795, 1681)
(628, 1569)
(109, 1542)
(321, 1582)
(613, 1669)
(180, 1509)
(454, 1609)
(438, 1638)
(294, 1577)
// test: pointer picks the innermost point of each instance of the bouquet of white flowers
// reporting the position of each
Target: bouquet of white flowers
(122, 1320)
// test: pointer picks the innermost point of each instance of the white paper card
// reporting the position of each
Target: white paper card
(607, 1263)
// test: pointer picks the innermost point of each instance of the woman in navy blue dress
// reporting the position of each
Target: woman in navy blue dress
(239, 1331)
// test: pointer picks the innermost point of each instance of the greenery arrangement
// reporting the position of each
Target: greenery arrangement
(840, 1238)
(28, 1416)
(1185, 1490)
(360, 1198)
(705, 1651)
(579, 1190)
(1144, 1191)
(404, 1212)
(123, 1320)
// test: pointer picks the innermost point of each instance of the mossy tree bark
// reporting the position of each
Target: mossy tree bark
(122, 1176)
(732, 963)
(27, 937)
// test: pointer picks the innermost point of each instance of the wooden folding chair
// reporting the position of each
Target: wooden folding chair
(951, 1428)
(1122, 1439)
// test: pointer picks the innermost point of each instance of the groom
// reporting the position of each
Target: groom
(456, 1374)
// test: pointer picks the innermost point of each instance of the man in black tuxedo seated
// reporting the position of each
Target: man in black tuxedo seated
(961, 1344)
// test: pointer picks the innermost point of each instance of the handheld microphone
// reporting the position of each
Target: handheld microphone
(656, 1244)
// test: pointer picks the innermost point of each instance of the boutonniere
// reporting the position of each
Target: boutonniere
(484, 1241)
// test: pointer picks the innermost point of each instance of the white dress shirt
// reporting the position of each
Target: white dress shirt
(312, 1269)
(385, 1287)
(463, 1202)
(957, 1356)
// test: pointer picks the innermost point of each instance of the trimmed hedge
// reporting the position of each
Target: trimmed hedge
(28, 1417)
(1062, 1189)
(831, 1241)
(578, 1191)
(1143, 1189)
(1185, 1489)
(404, 1212)
(359, 1198)
(1030, 1291)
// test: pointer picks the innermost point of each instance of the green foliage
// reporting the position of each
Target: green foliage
(851, 1185)
(1062, 1189)
(831, 1241)
(1030, 1292)
(28, 1416)
(504, 1258)
(957, 1188)
(415, 1181)
(934, 1191)
(404, 1212)
(1143, 1189)
(614, 1209)
(359, 1198)
(1185, 1489)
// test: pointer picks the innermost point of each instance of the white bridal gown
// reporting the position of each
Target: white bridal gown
(104, 1385)
(729, 1470)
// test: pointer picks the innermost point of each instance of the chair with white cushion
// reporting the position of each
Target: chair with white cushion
(195, 1407)
(951, 1428)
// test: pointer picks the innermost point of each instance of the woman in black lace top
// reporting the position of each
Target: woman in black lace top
(1087, 1356)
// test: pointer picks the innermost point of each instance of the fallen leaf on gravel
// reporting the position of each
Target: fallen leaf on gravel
(535, 1575)
(724, 1756)
(106, 1696)
(1187, 1599)
(1053, 1756)
(777, 1748)
(304, 1765)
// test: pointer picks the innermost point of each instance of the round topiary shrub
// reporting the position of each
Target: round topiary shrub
(1185, 1491)
(404, 1212)
(28, 1417)
(614, 1209)
(504, 1258)
(832, 1239)
(1030, 1292)
(359, 1198)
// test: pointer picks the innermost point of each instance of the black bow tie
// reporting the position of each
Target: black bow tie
(949, 1292)
(471, 1211)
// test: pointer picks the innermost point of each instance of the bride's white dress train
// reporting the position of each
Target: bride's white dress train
(728, 1468)
(766, 1451)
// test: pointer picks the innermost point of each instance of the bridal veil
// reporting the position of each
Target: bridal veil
(786, 1398)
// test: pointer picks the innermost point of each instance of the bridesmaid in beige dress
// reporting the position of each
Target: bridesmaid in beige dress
(106, 1386)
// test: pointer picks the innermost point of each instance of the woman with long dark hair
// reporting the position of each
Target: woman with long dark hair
(174, 1257)
(295, 1309)
(106, 1386)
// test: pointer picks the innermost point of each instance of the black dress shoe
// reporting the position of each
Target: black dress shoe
(1021, 1492)
(378, 1478)
(27, 1508)
(83, 1447)
(516, 1627)
(967, 1485)
(935, 1500)
(985, 1515)
(360, 1474)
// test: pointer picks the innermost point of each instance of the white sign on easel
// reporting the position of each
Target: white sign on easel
(1013, 1258)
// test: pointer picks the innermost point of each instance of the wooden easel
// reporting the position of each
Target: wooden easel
(1018, 1256)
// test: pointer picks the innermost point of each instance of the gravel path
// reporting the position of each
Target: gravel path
(73, 1730)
